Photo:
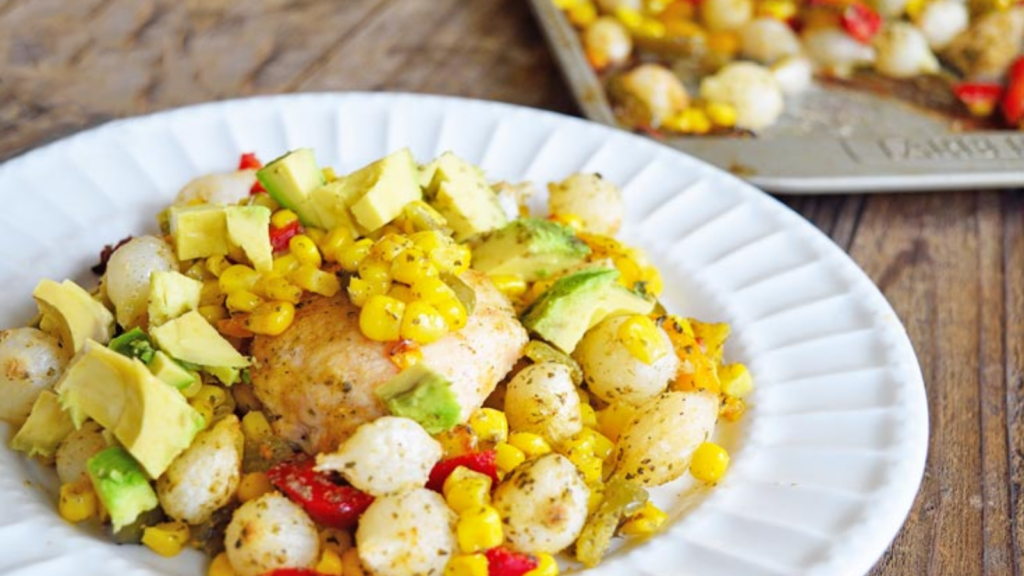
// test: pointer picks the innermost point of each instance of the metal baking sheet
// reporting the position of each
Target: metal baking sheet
(829, 140)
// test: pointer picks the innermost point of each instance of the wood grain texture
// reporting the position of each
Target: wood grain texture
(950, 263)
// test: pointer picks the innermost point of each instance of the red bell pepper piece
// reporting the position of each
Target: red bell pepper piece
(861, 22)
(979, 97)
(257, 188)
(482, 462)
(1013, 98)
(326, 502)
(249, 161)
(279, 237)
(503, 562)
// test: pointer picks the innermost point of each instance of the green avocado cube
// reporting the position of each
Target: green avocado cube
(121, 485)
(291, 179)
(533, 248)
(420, 394)
(45, 429)
(171, 294)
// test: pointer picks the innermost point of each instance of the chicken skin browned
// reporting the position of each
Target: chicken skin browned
(318, 378)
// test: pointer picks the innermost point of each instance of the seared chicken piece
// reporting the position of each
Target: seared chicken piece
(986, 49)
(319, 377)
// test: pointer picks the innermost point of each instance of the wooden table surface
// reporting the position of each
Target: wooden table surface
(950, 263)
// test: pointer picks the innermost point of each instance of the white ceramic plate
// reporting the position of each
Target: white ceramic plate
(826, 463)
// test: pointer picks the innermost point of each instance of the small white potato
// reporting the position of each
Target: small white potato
(835, 51)
(406, 533)
(794, 74)
(607, 42)
(656, 445)
(268, 533)
(902, 52)
(204, 477)
(598, 202)
(543, 505)
(390, 454)
(127, 277)
(724, 15)
(74, 451)
(542, 399)
(30, 361)
(766, 40)
(943, 20)
(613, 374)
(225, 188)
(751, 89)
(657, 89)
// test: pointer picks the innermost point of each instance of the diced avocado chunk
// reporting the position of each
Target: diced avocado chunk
(370, 197)
(170, 372)
(291, 179)
(533, 248)
(171, 294)
(45, 429)
(191, 338)
(227, 375)
(332, 200)
(121, 485)
(578, 301)
(199, 231)
(73, 313)
(420, 394)
(134, 344)
(248, 228)
(152, 420)
(460, 192)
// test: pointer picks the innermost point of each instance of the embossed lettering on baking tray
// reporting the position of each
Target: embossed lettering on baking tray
(926, 149)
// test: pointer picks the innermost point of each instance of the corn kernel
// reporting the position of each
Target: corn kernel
(432, 290)
(316, 235)
(732, 408)
(651, 28)
(77, 501)
(590, 466)
(283, 218)
(914, 8)
(255, 425)
(589, 415)
(315, 280)
(531, 444)
(508, 457)
(221, 566)
(630, 17)
(582, 14)
(375, 270)
(330, 563)
(782, 10)
(285, 264)
(167, 538)
(453, 312)
(216, 265)
(253, 485)
(490, 425)
(709, 462)
(279, 288)
(237, 277)
(390, 246)
(422, 323)
(242, 301)
(213, 313)
(402, 292)
(478, 530)
(271, 318)
(603, 447)
(305, 250)
(467, 565)
(644, 522)
(546, 566)
(352, 255)
(466, 489)
(735, 380)
(453, 258)
(643, 339)
(381, 318)
(334, 242)
(353, 566)
(689, 121)
(412, 265)
(430, 240)
(510, 285)
(721, 114)
(359, 290)
(581, 442)
(614, 419)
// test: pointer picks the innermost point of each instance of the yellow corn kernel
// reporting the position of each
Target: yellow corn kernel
(352, 255)
(212, 313)
(490, 425)
(653, 283)
(279, 288)
(77, 501)
(712, 337)
(511, 285)
(645, 521)
(305, 250)
(603, 447)
(582, 14)
(242, 301)
(651, 28)
(412, 265)
(381, 318)
(360, 290)
(782, 10)
(375, 270)
(330, 563)
(167, 538)
(253, 485)
(271, 318)
(283, 218)
(732, 408)
(689, 121)
(466, 489)
(285, 264)
(430, 240)
(256, 425)
(735, 380)
(315, 280)
(643, 339)
(571, 220)
(589, 415)
(914, 8)
(581, 443)
(316, 235)
(353, 565)
(453, 312)
(402, 292)
(724, 42)
(237, 277)
(432, 290)
(507, 457)
(216, 265)
(334, 242)
(478, 530)
(466, 565)
(221, 566)
(709, 462)
(453, 258)
(422, 323)
(612, 420)
(531, 444)
(546, 566)
(590, 466)
(390, 246)
(721, 114)
(630, 17)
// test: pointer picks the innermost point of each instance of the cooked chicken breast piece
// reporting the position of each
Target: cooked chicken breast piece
(318, 378)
